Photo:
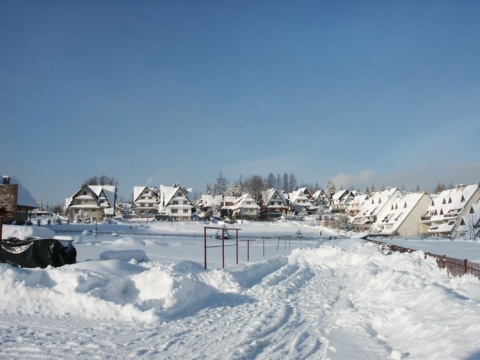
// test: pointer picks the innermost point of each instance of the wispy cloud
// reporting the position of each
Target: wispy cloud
(361, 179)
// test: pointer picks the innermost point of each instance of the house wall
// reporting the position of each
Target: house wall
(412, 225)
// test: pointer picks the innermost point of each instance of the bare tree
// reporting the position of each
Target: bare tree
(102, 180)
(255, 186)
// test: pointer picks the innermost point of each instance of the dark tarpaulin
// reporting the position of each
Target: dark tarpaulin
(32, 253)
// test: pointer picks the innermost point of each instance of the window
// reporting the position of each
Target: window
(185, 211)
(175, 202)
(174, 211)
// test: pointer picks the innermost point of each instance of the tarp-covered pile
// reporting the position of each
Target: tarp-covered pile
(31, 253)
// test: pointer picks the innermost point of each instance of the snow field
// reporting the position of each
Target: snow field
(318, 299)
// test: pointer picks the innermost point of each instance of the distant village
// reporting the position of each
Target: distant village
(389, 212)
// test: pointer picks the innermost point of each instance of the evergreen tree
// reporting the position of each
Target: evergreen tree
(285, 184)
(278, 185)
(221, 185)
(270, 182)
(292, 182)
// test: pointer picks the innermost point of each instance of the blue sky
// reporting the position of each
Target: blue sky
(163, 92)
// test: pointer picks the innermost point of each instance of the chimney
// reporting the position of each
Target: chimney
(6, 180)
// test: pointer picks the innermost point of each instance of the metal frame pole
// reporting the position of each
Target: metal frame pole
(205, 246)
(223, 248)
(237, 244)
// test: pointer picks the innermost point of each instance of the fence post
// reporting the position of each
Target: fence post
(205, 246)
(465, 266)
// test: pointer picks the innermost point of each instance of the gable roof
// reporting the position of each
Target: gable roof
(375, 203)
(167, 193)
(451, 202)
(399, 210)
(267, 195)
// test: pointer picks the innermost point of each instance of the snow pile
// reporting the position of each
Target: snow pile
(26, 232)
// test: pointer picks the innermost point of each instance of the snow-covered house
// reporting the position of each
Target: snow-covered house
(145, 200)
(243, 207)
(175, 203)
(447, 209)
(356, 204)
(300, 200)
(16, 202)
(91, 202)
(320, 198)
(274, 204)
(470, 225)
(402, 218)
(373, 206)
(209, 203)
(340, 200)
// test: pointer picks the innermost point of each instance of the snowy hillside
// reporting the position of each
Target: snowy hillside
(310, 298)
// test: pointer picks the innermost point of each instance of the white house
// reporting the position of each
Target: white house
(341, 200)
(373, 206)
(91, 202)
(448, 208)
(402, 218)
(145, 200)
(243, 207)
(210, 203)
(300, 200)
(356, 204)
(175, 203)
(320, 198)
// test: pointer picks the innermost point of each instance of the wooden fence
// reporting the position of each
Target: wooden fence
(455, 267)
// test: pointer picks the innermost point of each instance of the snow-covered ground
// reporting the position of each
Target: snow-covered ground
(308, 297)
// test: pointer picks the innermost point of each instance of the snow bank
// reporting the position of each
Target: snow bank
(26, 232)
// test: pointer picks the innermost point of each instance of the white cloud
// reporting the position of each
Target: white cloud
(363, 178)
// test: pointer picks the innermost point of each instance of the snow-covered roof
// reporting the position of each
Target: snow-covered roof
(246, 201)
(107, 190)
(168, 193)
(267, 195)
(451, 202)
(300, 194)
(24, 197)
(210, 201)
(399, 210)
(374, 203)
